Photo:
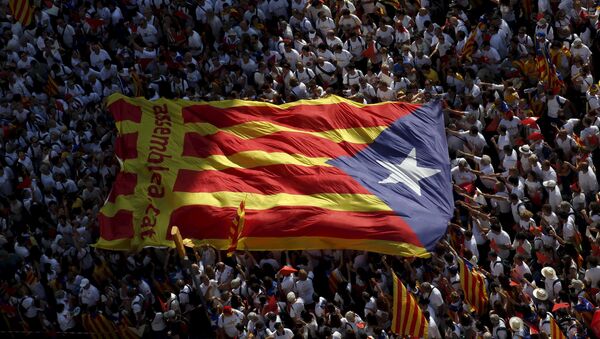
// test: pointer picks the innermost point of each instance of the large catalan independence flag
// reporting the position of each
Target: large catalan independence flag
(321, 174)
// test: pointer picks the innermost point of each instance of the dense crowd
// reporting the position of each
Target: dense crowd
(524, 152)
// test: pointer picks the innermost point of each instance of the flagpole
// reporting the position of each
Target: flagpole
(187, 264)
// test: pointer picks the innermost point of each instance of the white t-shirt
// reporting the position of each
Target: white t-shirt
(228, 323)
(554, 105)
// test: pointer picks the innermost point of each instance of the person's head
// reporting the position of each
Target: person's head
(474, 130)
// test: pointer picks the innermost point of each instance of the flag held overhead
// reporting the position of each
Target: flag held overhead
(322, 174)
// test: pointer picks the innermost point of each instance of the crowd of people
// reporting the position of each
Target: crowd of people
(523, 141)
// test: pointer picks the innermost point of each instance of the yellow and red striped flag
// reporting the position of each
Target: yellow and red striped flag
(51, 87)
(138, 84)
(472, 283)
(22, 11)
(99, 326)
(469, 47)
(407, 317)
(555, 331)
(235, 230)
(320, 174)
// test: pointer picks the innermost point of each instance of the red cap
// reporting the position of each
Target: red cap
(227, 310)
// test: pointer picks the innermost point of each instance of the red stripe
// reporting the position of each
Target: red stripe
(292, 221)
(120, 226)
(126, 146)
(27, 13)
(308, 117)
(122, 110)
(18, 9)
(473, 287)
(395, 311)
(223, 143)
(415, 316)
(405, 317)
(292, 179)
(124, 185)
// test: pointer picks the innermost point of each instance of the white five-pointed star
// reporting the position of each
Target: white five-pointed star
(407, 172)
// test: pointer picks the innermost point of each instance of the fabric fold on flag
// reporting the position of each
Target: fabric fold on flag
(472, 283)
(407, 317)
(314, 174)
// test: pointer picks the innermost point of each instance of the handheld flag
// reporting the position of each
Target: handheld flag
(548, 72)
(22, 11)
(472, 283)
(407, 319)
(555, 331)
(320, 174)
(469, 48)
(51, 87)
(235, 230)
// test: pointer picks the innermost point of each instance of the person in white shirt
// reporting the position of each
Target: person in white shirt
(294, 306)
(89, 294)
(97, 56)
(552, 284)
(587, 179)
(228, 320)
(280, 332)
(326, 71)
(499, 240)
(592, 274)
(554, 194)
(304, 287)
(385, 93)
(65, 319)
(499, 330)
(496, 266)
(520, 268)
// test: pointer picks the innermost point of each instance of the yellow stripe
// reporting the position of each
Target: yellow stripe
(295, 243)
(255, 129)
(332, 99)
(332, 201)
(419, 322)
(394, 303)
(249, 159)
(411, 313)
(127, 126)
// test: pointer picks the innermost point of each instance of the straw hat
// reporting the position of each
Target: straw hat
(516, 324)
(549, 273)
(525, 149)
(577, 284)
(540, 294)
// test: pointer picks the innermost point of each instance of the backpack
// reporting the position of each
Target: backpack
(527, 203)
(286, 318)
(193, 296)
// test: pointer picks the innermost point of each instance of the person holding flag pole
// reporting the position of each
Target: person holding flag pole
(201, 314)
